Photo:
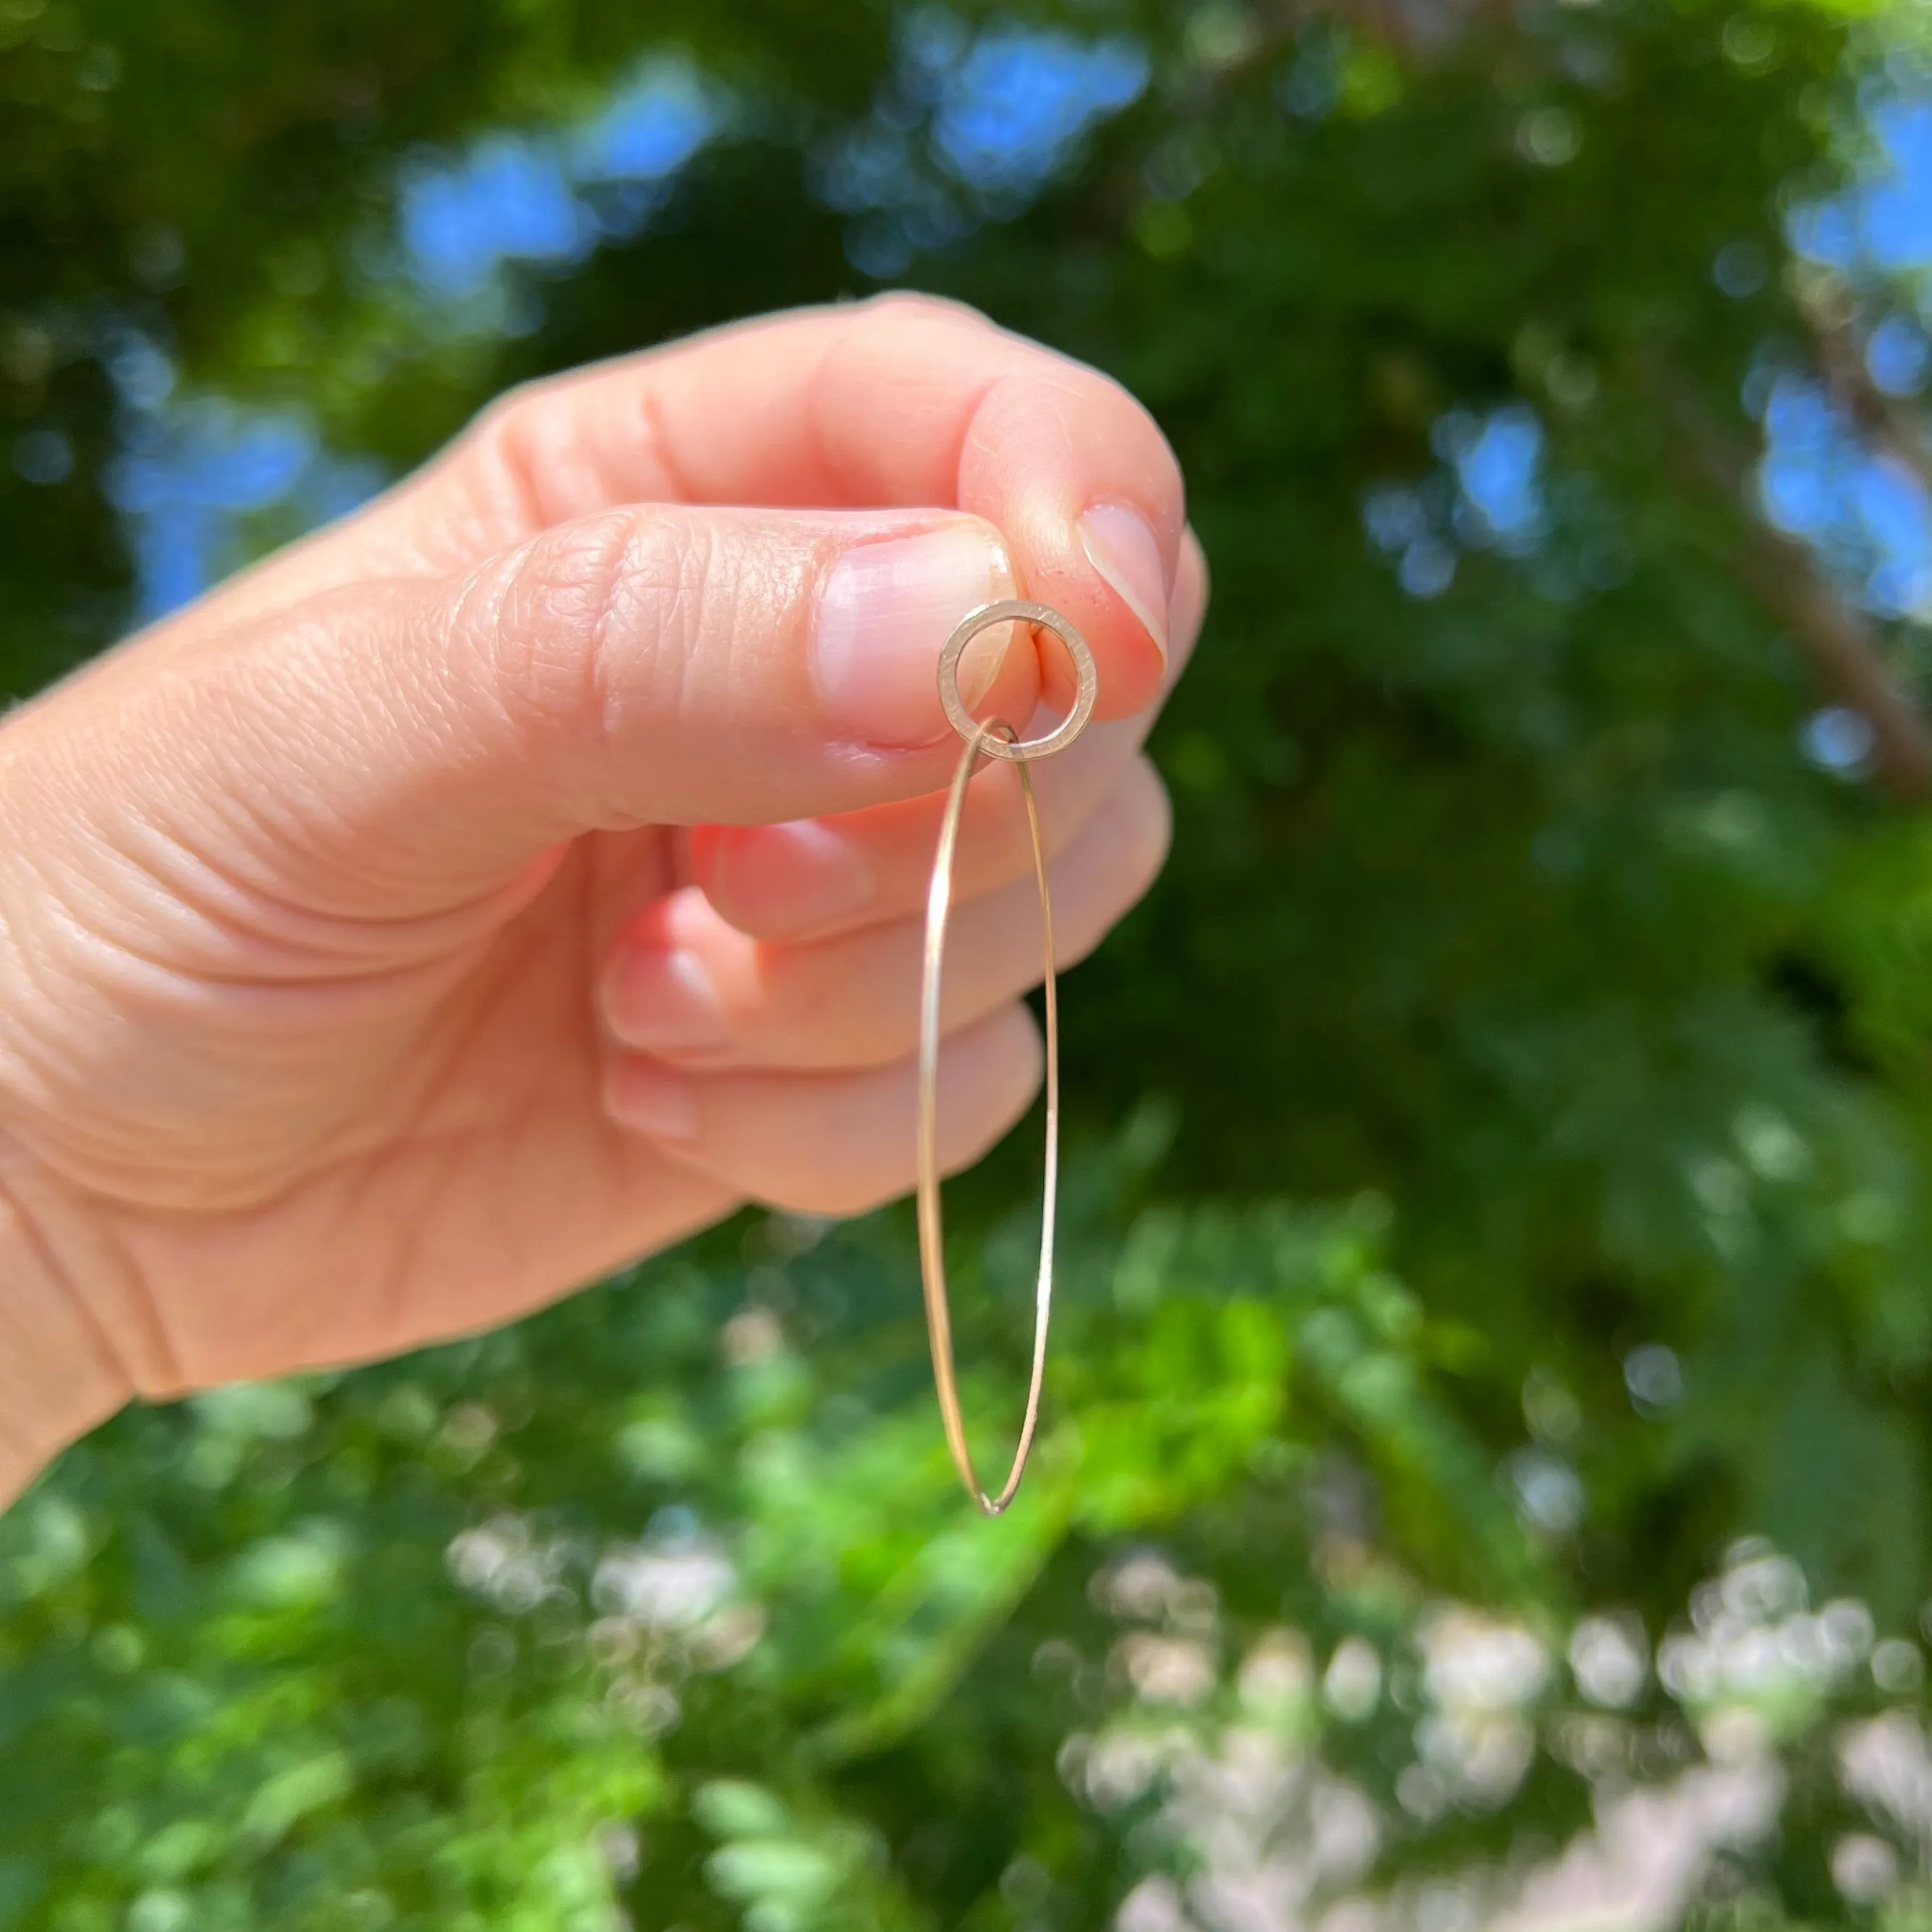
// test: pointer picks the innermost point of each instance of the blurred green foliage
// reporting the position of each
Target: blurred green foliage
(1504, 1136)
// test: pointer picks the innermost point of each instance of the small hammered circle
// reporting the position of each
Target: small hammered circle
(1087, 680)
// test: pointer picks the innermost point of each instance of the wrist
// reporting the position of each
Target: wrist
(57, 1378)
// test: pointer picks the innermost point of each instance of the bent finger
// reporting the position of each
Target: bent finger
(901, 402)
(684, 985)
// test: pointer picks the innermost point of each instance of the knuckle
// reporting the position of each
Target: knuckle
(545, 609)
(507, 447)
(500, 426)
(898, 306)
(584, 620)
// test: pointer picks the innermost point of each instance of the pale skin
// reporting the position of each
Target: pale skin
(527, 872)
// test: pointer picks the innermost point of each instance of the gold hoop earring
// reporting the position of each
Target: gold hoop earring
(994, 738)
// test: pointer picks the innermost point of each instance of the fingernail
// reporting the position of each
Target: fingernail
(781, 878)
(651, 1100)
(662, 997)
(885, 611)
(1121, 548)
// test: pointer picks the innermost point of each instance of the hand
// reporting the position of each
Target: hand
(524, 873)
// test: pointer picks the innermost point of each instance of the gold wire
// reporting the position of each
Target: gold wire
(979, 742)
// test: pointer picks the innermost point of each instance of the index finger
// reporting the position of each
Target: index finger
(903, 401)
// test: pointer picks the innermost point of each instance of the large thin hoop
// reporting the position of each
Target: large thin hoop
(994, 737)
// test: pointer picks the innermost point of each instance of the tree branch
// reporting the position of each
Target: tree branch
(1844, 647)
(1845, 650)
(1888, 422)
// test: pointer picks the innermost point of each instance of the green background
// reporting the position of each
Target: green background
(1496, 1237)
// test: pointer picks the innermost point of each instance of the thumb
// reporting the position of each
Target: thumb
(393, 746)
